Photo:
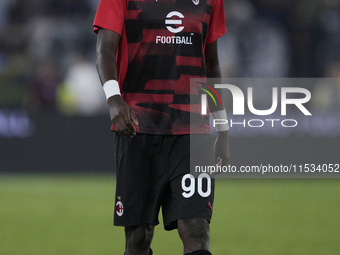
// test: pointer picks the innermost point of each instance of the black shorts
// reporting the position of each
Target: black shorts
(153, 171)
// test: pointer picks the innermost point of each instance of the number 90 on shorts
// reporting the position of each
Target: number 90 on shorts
(190, 185)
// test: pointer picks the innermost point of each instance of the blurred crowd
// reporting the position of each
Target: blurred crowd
(47, 56)
(47, 48)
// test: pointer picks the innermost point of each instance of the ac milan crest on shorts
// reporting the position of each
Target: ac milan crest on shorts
(119, 208)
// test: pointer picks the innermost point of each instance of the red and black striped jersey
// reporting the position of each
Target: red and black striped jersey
(161, 48)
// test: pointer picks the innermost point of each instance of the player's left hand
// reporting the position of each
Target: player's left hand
(222, 150)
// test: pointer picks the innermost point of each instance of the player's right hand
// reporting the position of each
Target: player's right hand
(122, 116)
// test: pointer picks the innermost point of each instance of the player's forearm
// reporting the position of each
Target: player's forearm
(107, 43)
(106, 65)
(107, 71)
(214, 71)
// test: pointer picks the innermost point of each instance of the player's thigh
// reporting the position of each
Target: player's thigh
(137, 187)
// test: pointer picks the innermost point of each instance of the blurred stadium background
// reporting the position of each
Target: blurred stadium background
(56, 182)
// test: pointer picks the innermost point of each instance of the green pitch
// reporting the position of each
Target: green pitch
(71, 215)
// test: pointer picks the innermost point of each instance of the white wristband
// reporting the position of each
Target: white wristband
(220, 120)
(111, 88)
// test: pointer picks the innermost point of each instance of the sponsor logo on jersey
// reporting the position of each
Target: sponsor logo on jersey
(170, 21)
(196, 2)
(119, 208)
(174, 18)
(173, 39)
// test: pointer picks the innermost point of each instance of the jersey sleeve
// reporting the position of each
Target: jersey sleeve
(217, 25)
(110, 15)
